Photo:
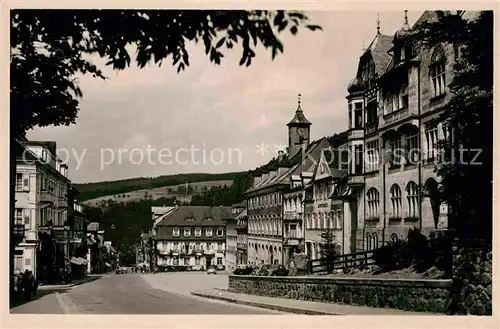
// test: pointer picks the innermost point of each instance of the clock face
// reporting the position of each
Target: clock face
(302, 131)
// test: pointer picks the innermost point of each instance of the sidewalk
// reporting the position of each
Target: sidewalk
(299, 306)
(89, 278)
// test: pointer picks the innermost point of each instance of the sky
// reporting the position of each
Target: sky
(214, 119)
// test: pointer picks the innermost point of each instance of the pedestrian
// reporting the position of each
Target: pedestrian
(27, 285)
(34, 283)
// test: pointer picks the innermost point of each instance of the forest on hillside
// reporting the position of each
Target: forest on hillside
(95, 190)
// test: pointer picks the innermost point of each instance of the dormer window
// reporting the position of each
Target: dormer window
(403, 97)
(187, 232)
(209, 219)
(197, 232)
(208, 232)
(190, 219)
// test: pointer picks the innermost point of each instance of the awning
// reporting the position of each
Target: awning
(78, 261)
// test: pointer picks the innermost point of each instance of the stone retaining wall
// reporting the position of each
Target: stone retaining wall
(403, 294)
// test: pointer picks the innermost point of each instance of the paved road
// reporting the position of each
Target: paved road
(133, 294)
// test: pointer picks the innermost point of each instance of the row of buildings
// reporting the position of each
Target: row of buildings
(368, 190)
(379, 183)
(51, 231)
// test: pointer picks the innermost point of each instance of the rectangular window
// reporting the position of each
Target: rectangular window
(358, 118)
(388, 106)
(431, 136)
(219, 260)
(197, 232)
(176, 232)
(198, 246)
(220, 232)
(19, 216)
(187, 232)
(176, 245)
(208, 232)
(19, 182)
(412, 150)
(27, 262)
(403, 97)
(18, 263)
(219, 246)
(197, 261)
(373, 157)
(396, 148)
(438, 79)
(27, 219)
(358, 150)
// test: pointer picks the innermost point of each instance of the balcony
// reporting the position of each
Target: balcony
(355, 133)
(46, 197)
(292, 241)
(292, 216)
(355, 180)
(396, 116)
(61, 202)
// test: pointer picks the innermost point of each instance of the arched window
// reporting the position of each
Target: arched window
(374, 241)
(373, 203)
(437, 71)
(412, 196)
(394, 237)
(368, 242)
(396, 201)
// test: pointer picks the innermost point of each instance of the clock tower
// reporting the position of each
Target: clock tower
(299, 131)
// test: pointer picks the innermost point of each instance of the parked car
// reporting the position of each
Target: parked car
(243, 270)
(212, 270)
(196, 268)
(121, 270)
(280, 271)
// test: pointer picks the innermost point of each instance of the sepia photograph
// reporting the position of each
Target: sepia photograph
(250, 162)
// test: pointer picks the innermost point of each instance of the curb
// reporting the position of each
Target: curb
(279, 308)
(68, 286)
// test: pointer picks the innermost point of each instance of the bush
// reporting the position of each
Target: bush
(417, 250)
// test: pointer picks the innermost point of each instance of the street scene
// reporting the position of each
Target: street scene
(349, 172)
(139, 294)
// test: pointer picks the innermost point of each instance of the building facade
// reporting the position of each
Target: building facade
(232, 237)
(394, 102)
(192, 236)
(41, 210)
(242, 238)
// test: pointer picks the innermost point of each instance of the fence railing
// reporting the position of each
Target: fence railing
(341, 262)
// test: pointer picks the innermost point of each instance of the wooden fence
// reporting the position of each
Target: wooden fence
(341, 262)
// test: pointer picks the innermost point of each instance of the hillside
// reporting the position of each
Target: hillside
(174, 191)
(109, 189)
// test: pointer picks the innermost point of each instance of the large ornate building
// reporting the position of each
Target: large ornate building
(394, 102)
(192, 236)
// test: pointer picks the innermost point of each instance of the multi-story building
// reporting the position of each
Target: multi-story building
(264, 198)
(394, 102)
(232, 237)
(41, 206)
(192, 236)
(322, 214)
(242, 237)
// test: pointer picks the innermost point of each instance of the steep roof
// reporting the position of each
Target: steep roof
(299, 117)
(198, 215)
(378, 49)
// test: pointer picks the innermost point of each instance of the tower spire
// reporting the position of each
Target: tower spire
(406, 26)
(299, 108)
(378, 23)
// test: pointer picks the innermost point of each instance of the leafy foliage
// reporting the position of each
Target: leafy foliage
(470, 114)
(49, 47)
(418, 251)
(329, 249)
